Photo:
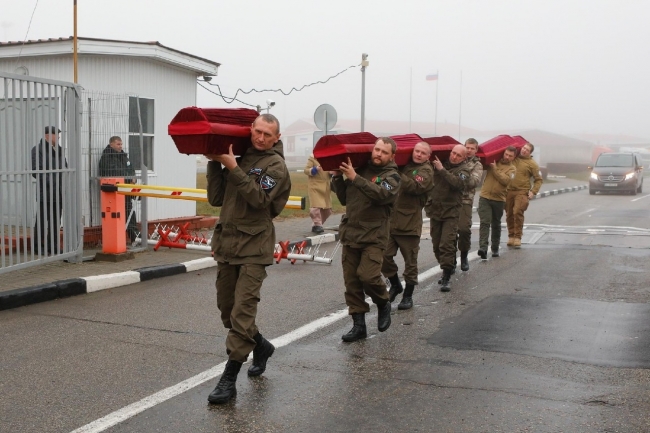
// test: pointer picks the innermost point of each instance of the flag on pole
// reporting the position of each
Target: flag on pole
(432, 77)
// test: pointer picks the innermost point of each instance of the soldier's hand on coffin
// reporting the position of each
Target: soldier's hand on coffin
(227, 159)
(347, 169)
(437, 164)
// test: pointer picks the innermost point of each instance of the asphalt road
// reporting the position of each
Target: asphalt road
(554, 337)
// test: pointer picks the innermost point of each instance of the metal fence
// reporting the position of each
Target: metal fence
(40, 174)
(105, 115)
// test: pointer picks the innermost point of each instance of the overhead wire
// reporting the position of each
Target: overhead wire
(247, 92)
(29, 26)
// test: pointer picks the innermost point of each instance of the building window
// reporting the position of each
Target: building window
(135, 155)
(291, 144)
(146, 117)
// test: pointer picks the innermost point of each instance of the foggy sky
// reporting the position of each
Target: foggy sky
(566, 66)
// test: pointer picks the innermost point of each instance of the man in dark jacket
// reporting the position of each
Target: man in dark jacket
(406, 224)
(251, 190)
(445, 201)
(368, 196)
(115, 163)
(49, 159)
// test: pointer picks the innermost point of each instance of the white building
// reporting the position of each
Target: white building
(112, 74)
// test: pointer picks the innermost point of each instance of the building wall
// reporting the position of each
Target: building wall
(171, 87)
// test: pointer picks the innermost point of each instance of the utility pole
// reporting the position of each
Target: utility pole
(364, 65)
(74, 41)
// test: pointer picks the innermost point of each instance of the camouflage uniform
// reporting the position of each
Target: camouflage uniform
(443, 208)
(364, 231)
(465, 218)
(250, 196)
(406, 222)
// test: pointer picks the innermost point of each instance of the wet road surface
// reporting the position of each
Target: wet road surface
(548, 338)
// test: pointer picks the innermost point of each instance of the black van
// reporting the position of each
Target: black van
(617, 172)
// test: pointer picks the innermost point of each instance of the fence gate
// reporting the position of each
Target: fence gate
(40, 195)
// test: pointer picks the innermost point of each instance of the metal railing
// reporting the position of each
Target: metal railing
(40, 176)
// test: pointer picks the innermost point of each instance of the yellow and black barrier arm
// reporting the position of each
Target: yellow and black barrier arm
(195, 194)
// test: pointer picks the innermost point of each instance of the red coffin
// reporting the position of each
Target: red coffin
(441, 147)
(332, 150)
(204, 131)
(492, 150)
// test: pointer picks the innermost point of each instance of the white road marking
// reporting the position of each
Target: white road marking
(159, 397)
(583, 212)
(639, 198)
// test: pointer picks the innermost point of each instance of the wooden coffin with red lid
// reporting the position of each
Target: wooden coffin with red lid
(441, 147)
(405, 145)
(492, 150)
(204, 131)
(332, 150)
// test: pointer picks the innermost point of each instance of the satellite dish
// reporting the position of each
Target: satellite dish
(325, 117)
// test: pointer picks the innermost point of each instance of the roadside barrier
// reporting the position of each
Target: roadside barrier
(195, 194)
(179, 237)
(114, 219)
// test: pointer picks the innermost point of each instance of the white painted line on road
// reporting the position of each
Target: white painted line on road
(148, 402)
(134, 409)
(640, 198)
(583, 212)
(109, 281)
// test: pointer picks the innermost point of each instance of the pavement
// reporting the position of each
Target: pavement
(62, 279)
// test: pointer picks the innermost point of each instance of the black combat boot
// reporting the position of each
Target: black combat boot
(262, 352)
(226, 388)
(482, 254)
(495, 252)
(464, 263)
(358, 330)
(395, 287)
(407, 299)
(445, 285)
(383, 318)
(452, 272)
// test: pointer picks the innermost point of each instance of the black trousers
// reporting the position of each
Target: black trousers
(48, 224)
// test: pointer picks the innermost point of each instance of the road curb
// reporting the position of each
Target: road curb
(78, 286)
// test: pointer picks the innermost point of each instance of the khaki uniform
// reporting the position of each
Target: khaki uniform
(319, 191)
(406, 221)
(364, 231)
(492, 201)
(443, 209)
(517, 199)
(465, 218)
(250, 196)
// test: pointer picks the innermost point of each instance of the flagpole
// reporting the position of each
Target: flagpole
(460, 101)
(435, 121)
(410, 98)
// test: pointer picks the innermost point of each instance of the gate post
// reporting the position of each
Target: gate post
(113, 221)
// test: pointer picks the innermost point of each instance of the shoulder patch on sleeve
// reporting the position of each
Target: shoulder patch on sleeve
(267, 182)
(462, 175)
(387, 186)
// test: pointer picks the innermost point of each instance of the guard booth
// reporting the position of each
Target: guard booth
(28, 216)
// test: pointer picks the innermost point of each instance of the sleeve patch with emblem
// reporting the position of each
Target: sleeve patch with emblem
(418, 178)
(462, 176)
(387, 186)
(267, 182)
(255, 171)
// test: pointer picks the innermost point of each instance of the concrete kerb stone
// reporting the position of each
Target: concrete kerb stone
(77, 286)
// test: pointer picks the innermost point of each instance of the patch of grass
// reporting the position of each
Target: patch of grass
(298, 188)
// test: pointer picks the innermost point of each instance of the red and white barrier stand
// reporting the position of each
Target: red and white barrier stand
(179, 237)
